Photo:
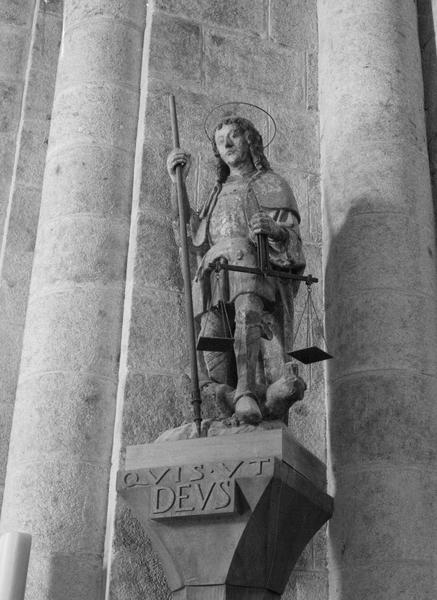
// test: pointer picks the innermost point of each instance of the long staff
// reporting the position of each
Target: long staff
(183, 218)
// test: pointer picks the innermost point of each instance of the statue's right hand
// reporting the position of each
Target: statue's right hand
(175, 158)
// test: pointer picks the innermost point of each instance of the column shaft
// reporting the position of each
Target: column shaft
(60, 449)
(380, 300)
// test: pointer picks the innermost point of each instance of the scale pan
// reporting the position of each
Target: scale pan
(215, 344)
(310, 355)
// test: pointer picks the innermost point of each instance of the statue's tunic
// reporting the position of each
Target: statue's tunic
(224, 232)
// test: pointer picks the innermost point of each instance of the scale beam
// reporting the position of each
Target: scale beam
(222, 265)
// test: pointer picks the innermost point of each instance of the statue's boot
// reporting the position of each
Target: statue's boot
(248, 310)
(247, 410)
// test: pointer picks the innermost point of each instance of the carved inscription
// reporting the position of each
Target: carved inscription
(193, 490)
(209, 497)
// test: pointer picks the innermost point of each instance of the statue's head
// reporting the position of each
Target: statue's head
(247, 141)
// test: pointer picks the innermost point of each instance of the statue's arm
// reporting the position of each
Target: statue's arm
(273, 223)
(179, 158)
(285, 246)
(290, 249)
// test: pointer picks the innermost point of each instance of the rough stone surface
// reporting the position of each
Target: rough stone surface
(380, 301)
(67, 520)
(98, 65)
(294, 23)
(16, 13)
(60, 450)
(15, 33)
(389, 579)
(266, 68)
(103, 178)
(21, 187)
(427, 19)
(379, 516)
(385, 418)
(154, 403)
(175, 49)
(81, 320)
(84, 417)
(136, 571)
(64, 575)
(101, 258)
(248, 15)
(78, 11)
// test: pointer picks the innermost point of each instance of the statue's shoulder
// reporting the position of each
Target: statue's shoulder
(274, 192)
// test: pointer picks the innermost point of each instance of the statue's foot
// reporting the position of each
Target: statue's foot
(247, 410)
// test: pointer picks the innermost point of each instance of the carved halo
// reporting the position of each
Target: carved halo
(253, 113)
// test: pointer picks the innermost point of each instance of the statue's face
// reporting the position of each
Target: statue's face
(232, 145)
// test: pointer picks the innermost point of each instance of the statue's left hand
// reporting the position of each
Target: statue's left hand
(261, 222)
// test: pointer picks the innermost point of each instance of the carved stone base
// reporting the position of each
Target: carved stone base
(228, 515)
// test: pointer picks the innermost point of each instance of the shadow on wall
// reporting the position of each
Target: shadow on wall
(426, 21)
(376, 332)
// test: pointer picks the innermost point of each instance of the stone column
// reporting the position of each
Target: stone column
(31, 126)
(60, 449)
(380, 301)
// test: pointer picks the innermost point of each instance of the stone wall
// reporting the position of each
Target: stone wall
(30, 40)
(208, 52)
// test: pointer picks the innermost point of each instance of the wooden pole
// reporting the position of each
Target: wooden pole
(195, 391)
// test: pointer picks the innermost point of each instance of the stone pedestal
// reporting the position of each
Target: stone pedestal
(228, 515)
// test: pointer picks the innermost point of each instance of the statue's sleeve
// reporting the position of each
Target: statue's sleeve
(286, 253)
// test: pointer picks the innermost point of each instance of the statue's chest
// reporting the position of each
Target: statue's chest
(229, 219)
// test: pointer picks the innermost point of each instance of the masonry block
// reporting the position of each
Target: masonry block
(10, 97)
(84, 417)
(13, 51)
(402, 339)
(375, 418)
(157, 259)
(175, 49)
(251, 65)
(154, 403)
(158, 336)
(248, 15)
(103, 62)
(33, 150)
(81, 320)
(17, 12)
(297, 139)
(103, 185)
(294, 23)
(64, 492)
(101, 258)
(94, 114)
(78, 11)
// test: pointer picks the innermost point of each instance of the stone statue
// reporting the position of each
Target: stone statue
(255, 381)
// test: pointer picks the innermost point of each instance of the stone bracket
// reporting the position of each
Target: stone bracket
(237, 522)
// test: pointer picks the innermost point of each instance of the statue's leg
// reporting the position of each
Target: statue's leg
(274, 350)
(248, 311)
